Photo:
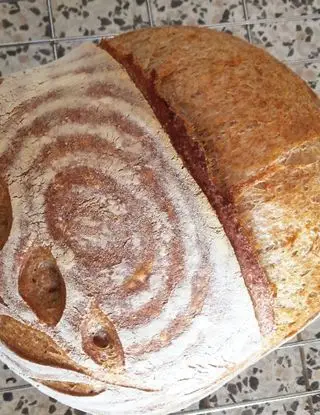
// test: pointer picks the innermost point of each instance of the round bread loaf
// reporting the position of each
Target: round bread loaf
(158, 218)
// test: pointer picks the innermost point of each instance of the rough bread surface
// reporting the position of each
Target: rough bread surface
(119, 290)
(258, 128)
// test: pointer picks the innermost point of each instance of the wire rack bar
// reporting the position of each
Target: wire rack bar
(300, 343)
(246, 16)
(150, 15)
(52, 29)
(208, 411)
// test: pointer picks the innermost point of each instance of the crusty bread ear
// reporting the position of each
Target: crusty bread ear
(281, 213)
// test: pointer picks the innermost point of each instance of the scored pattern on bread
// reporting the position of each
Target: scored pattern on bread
(33, 344)
(100, 340)
(233, 128)
(145, 290)
(42, 286)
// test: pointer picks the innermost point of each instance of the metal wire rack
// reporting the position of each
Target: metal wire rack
(247, 23)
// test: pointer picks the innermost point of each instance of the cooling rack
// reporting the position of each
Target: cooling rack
(247, 23)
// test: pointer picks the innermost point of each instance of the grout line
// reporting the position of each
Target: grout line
(53, 34)
(57, 39)
(305, 374)
(243, 404)
(150, 15)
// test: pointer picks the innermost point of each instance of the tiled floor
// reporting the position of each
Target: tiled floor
(293, 37)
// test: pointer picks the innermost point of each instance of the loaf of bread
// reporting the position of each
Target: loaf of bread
(158, 218)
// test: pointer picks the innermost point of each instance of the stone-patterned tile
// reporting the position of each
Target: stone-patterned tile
(310, 72)
(266, 9)
(8, 378)
(23, 20)
(278, 373)
(196, 12)
(89, 17)
(66, 46)
(18, 58)
(289, 40)
(313, 331)
(32, 402)
(312, 357)
(239, 31)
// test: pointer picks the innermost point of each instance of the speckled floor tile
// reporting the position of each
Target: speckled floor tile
(266, 9)
(23, 20)
(239, 31)
(196, 12)
(310, 72)
(32, 402)
(8, 378)
(289, 40)
(313, 331)
(312, 357)
(277, 374)
(18, 58)
(64, 47)
(89, 17)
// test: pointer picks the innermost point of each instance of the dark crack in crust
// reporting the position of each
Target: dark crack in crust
(5, 212)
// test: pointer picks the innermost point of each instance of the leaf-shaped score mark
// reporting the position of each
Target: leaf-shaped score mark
(5, 213)
(70, 388)
(42, 287)
(34, 345)
(101, 341)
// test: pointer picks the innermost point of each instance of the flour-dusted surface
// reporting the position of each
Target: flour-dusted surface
(274, 378)
(93, 178)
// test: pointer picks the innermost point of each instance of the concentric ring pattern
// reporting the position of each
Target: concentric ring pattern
(93, 178)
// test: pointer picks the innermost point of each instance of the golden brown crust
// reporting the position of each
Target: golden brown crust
(248, 113)
(33, 345)
(281, 213)
(70, 388)
(242, 105)
(195, 159)
(42, 287)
